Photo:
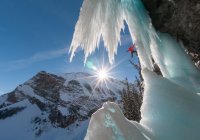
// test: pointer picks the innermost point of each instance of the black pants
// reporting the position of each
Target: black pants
(132, 53)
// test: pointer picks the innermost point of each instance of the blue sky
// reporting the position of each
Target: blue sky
(35, 35)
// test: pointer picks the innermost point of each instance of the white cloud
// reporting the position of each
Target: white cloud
(37, 57)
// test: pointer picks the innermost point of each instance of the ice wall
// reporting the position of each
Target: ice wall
(171, 103)
(175, 64)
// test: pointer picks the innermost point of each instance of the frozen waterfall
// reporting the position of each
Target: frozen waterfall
(171, 106)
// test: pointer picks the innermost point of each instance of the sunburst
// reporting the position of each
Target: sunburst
(102, 74)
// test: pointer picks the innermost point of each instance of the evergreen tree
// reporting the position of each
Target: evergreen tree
(132, 102)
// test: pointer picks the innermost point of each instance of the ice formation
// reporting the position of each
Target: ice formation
(170, 109)
(105, 18)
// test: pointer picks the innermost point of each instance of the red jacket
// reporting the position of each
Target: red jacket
(131, 48)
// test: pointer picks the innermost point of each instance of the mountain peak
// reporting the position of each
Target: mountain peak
(51, 101)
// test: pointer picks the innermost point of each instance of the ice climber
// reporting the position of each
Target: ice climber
(131, 49)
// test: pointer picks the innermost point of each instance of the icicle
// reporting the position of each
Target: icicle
(98, 18)
(106, 18)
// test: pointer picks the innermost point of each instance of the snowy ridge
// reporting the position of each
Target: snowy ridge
(53, 107)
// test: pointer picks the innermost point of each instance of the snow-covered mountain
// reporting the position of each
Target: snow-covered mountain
(54, 107)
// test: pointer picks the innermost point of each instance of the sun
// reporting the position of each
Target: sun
(102, 74)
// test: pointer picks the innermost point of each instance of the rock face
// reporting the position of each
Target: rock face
(57, 106)
(181, 19)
